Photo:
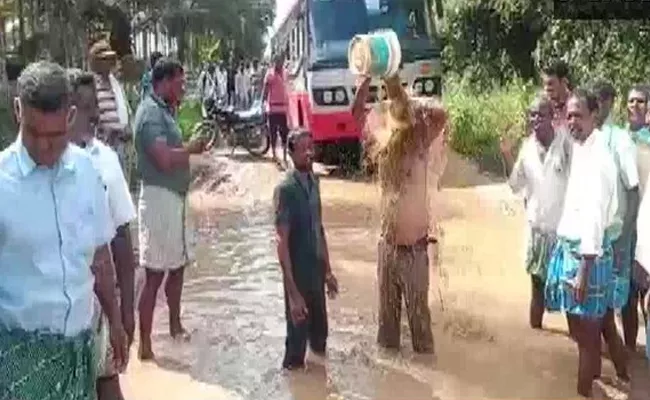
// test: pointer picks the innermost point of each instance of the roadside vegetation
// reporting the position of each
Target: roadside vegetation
(493, 51)
(189, 114)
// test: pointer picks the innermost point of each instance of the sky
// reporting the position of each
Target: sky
(282, 7)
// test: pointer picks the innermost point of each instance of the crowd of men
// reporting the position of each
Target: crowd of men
(231, 84)
(583, 180)
(67, 297)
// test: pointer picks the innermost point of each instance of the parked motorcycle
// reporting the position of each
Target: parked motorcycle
(227, 127)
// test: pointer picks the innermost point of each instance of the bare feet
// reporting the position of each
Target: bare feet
(145, 352)
(179, 333)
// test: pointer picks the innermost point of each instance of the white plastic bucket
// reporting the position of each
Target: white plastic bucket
(375, 54)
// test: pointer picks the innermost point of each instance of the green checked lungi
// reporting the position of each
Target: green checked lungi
(42, 366)
(539, 252)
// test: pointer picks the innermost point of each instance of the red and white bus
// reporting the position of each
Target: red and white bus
(315, 36)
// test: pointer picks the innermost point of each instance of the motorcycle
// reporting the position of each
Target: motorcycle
(226, 127)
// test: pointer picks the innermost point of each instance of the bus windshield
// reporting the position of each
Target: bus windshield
(406, 17)
(338, 20)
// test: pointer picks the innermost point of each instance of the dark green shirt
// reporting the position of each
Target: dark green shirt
(154, 120)
(298, 205)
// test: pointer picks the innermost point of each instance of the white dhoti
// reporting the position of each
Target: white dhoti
(166, 236)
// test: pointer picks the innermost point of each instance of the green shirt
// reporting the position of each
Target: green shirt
(298, 205)
(154, 120)
(641, 136)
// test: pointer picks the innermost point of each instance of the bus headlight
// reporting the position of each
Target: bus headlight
(428, 86)
(327, 96)
(417, 88)
(340, 96)
(331, 96)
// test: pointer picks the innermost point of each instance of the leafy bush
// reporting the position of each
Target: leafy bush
(188, 115)
(479, 119)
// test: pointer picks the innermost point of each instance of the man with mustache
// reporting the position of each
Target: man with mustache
(580, 276)
(303, 254)
(541, 172)
(555, 77)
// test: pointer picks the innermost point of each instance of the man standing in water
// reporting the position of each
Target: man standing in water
(620, 145)
(163, 164)
(580, 276)
(54, 229)
(557, 87)
(403, 148)
(122, 212)
(303, 254)
(541, 172)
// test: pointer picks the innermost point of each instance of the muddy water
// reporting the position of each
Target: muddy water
(233, 304)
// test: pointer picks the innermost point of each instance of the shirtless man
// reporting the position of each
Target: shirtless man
(403, 247)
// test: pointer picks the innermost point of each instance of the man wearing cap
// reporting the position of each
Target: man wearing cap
(113, 127)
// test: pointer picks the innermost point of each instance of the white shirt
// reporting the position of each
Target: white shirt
(123, 110)
(543, 179)
(107, 163)
(240, 82)
(52, 220)
(591, 202)
(623, 151)
(222, 81)
(207, 87)
(642, 253)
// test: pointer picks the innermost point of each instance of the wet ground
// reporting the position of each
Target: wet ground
(233, 304)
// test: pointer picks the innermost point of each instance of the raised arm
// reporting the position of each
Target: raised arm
(360, 100)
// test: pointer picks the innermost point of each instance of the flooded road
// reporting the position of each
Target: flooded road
(233, 303)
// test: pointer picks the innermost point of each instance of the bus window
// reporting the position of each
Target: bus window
(406, 17)
(338, 20)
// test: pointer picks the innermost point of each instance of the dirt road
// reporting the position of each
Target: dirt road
(479, 294)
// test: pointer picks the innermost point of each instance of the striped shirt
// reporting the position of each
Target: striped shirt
(110, 127)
